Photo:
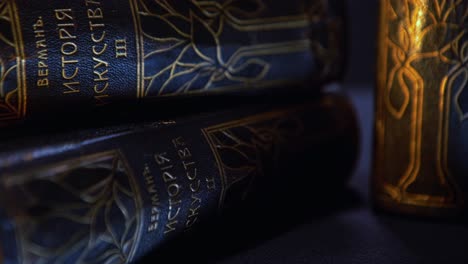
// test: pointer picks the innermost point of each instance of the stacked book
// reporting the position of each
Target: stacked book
(129, 124)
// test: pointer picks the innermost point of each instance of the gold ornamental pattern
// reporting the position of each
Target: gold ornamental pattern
(12, 71)
(84, 210)
(183, 49)
(423, 74)
(244, 148)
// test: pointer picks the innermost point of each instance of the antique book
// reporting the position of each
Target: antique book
(113, 195)
(73, 56)
(422, 108)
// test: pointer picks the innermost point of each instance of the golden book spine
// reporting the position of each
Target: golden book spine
(422, 108)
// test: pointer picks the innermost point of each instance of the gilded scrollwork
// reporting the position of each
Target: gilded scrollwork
(12, 88)
(458, 76)
(423, 72)
(85, 210)
(184, 47)
(245, 147)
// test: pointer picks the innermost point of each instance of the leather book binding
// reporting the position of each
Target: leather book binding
(113, 195)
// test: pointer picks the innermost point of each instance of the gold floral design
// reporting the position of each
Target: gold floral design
(197, 59)
(12, 86)
(78, 211)
(245, 147)
(184, 50)
(458, 76)
(423, 48)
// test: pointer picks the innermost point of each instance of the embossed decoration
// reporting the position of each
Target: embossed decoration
(423, 73)
(245, 147)
(186, 47)
(84, 210)
(12, 86)
(458, 76)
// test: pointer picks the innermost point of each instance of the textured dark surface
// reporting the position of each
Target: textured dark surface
(120, 193)
(355, 233)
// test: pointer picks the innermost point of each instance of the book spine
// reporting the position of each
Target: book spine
(72, 56)
(117, 196)
(421, 128)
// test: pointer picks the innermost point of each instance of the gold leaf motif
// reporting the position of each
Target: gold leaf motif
(459, 80)
(423, 75)
(94, 198)
(185, 50)
(242, 148)
(11, 88)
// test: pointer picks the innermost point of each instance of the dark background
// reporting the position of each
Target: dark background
(363, 17)
(359, 81)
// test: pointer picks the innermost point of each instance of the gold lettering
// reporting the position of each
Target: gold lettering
(121, 48)
(43, 72)
(173, 203)
(42, 54)
(195, 200)
(92, 25)
(172, 216)
(210, 183)
(100, 39)
(170, 226)
(64, 34)
(155, 202)
(167, 177)
(41, 44)
(155, 198)
(192, 219)
(193, 211)
(64, 63)
(43, 82)
(195, 188)
(39, 23)
(161, 159)
(70, 88)
(63, 14)
(153, 226)
(69, 69)
(100, 76)
(95, 14)
(190, 222)
(66, 77)
(42, 64)
(100, 63)
(99, 53)
(191, 174)
(72, 51)
(184, 153)
(174, 189)
(154, 214)
(39, 34)
(100, 90)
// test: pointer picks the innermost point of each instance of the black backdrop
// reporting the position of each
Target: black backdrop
(363, 18)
